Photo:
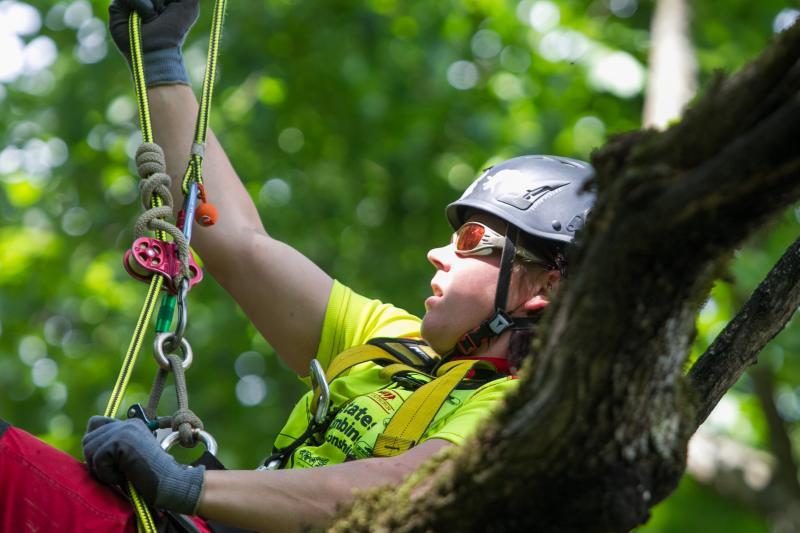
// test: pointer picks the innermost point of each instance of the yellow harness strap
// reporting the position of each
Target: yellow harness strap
(357, 355)
(415, 415)
(380, 352)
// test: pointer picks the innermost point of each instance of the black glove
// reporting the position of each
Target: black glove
(165, 24)
(117, 450)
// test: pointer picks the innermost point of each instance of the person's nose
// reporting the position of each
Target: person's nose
(441, 257)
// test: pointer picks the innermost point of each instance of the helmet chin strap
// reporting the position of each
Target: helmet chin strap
(500, 320)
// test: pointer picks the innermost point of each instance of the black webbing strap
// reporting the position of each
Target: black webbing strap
(282, 455)
(493, 327)
(506, 261)
(500, 320)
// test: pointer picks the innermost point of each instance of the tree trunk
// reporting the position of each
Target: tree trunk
(672, 69)
(597, 433)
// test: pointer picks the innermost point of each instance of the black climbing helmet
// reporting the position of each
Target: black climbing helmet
(542, 195)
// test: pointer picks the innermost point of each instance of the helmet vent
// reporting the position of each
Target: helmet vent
(529, 197)
(575, 224)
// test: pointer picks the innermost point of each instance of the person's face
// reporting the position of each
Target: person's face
(464, 291)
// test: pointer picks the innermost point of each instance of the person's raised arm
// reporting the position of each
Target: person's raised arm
(283, 293)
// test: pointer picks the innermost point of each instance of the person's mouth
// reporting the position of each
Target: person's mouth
(436, 289)
(437, 295)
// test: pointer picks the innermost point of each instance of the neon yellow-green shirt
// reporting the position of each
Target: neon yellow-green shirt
(365, 401)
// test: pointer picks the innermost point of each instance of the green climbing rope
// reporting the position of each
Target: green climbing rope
(194, 173)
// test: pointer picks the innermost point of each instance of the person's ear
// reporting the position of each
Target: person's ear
(552, 281)
(536, 303)
(547, 289)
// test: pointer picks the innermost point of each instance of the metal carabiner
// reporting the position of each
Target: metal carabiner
(203, 436)
(322, 393)
(275, 464)
(189, 208)
(183, 312)
(167, 342)
(160, 350)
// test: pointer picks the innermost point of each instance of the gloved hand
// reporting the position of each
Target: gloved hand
(165, 24)
(117, 450)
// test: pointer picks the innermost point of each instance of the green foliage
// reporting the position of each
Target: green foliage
(352, 125)
(695, 508)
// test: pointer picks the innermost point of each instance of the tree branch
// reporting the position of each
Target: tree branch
(763, 316)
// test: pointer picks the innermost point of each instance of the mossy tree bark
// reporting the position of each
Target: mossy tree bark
(598, 431)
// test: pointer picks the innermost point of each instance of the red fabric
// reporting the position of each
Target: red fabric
(44, 489)
(499, 363)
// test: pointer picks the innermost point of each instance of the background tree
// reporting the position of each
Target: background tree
(341, 117)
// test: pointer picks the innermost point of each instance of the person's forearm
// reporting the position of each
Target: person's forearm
(173, 110)
(237, 251)
(289, 500)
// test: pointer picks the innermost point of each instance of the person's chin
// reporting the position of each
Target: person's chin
(434, 336)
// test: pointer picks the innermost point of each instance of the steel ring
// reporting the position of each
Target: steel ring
(161, 356)
(203, 436)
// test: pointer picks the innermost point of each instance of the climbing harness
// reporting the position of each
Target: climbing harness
(399, 358)
(166, 266)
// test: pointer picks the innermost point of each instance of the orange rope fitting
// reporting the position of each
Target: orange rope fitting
(206, 213)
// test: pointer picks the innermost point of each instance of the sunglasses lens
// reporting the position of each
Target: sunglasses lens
(469, 237)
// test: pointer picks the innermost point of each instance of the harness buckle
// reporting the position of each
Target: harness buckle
(500, 322)
(467, 344)
(147, 257)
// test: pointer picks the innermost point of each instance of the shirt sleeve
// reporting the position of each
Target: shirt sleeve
(465, 420)
(352, 320)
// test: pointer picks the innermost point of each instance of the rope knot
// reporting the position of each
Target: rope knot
(152, 166)
(150, 160)
(184, 421)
